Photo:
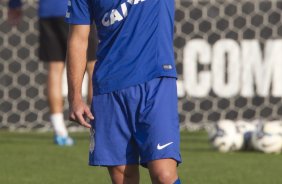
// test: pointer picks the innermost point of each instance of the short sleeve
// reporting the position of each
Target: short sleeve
(79, 12)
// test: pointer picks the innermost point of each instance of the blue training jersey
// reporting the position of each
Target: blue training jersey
(52, 8)
(47, 8)
(136, 40)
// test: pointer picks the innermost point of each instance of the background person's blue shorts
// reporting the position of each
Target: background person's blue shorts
(136, 125)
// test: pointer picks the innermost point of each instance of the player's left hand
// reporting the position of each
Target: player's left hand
(14, 15)
(79, 112)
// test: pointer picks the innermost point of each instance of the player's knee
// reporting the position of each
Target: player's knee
(124, 175)
(131, 174)
(164, 177)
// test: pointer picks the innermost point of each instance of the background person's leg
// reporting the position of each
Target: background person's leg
(56, 103)
(53, 33)
(163, 171)
(89, 70)
(54, 86)
(91, 58)
(124, 174)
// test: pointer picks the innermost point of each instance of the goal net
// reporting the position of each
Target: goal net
(228, 55)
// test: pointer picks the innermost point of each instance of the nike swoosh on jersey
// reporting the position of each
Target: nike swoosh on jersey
(159, 147)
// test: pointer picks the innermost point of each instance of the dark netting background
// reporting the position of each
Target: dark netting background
(23, 77)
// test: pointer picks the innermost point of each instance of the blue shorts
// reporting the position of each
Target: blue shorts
(136, 125)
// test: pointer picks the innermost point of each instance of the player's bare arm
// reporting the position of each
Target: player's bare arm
(76, 65)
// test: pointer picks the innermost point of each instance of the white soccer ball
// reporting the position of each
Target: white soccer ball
(246, 128)
(268, 137)
(225, 137)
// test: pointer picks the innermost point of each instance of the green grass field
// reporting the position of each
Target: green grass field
(32, 158)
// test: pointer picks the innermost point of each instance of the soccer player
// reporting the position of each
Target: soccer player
(53, 32)
(133, 117)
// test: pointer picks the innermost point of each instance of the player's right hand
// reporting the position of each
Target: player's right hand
(79, 112)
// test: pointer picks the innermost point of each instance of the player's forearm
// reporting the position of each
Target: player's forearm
(76, 63)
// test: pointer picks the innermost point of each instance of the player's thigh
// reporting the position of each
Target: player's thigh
(114, 143)
(56, 68)
(90, 67)
(158, 134)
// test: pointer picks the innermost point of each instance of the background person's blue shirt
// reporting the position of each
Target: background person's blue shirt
(136, 40)
(14, 3)
(47, 8)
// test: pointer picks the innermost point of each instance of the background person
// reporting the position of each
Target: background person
(53, 33)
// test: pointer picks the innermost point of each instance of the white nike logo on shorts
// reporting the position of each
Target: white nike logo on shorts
(159, 147)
